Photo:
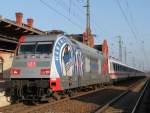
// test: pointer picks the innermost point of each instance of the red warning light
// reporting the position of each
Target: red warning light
(15, 72)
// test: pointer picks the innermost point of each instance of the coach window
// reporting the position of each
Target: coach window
(122, 68)
(129, 70)
(114, 66)
(118, 67)
(125, 69)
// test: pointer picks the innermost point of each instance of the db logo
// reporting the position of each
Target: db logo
(31, 64)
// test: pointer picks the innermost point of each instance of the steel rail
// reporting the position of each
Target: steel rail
(140, 98)
(102, 109)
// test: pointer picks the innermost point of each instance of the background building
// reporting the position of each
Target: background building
(10, 32)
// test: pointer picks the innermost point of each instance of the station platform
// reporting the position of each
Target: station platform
(4, 98)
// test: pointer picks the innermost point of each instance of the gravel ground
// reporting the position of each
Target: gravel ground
(83, 104)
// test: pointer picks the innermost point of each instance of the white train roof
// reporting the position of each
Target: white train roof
(114, 60)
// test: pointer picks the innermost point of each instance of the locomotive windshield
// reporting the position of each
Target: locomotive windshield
(27, 49)
(36, 48)
(44, 48)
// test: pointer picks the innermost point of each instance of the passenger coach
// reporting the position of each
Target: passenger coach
(120, 71)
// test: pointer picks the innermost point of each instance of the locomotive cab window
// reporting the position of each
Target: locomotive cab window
(44, 48)
(36, 48)
(27, 48)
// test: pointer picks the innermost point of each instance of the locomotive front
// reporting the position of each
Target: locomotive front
(30, 72)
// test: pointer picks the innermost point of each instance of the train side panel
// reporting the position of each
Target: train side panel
(75, 65)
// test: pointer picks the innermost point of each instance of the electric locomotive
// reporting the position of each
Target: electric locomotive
(50, 64)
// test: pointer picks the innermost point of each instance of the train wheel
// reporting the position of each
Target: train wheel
(56, 96)
(44, 99)
(70, 93)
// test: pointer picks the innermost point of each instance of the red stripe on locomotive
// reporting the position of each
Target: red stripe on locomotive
(55, 84)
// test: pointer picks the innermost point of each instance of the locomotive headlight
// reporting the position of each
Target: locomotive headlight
(15, 72)
(45, 71)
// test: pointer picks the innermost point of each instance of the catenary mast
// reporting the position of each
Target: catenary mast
(88, 35)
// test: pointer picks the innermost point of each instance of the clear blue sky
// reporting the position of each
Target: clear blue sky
(107, 22)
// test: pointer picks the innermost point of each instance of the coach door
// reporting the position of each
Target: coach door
(1, 68)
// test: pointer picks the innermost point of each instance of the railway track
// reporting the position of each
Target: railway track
(143, 103)
(22, 108)
(125, 102)
(83, 102)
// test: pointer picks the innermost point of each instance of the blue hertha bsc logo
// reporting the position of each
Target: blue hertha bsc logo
(62, 54)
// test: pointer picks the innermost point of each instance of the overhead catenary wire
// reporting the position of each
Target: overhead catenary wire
(95, 25)
(126, 19)
(79, 8)
(93, 20)
(131, 16)
(69, 8)
(131, 25)
(62, 5)
(136, 30)
(61, 14)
